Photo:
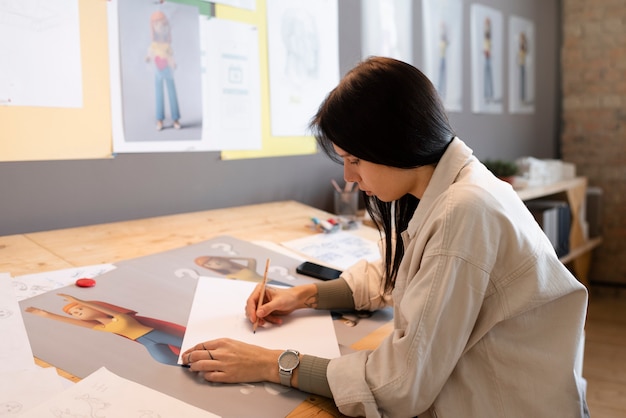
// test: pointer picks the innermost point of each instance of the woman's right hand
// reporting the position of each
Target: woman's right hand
(279, 302)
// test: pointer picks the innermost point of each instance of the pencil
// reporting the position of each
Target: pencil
(335, 185)
(262, 296)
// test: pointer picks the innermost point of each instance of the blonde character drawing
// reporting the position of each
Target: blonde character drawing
(161, 338)
(235, 268)
(160, 53)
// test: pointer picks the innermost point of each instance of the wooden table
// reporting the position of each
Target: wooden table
(113, 242)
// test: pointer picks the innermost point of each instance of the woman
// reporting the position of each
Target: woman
(487, 321)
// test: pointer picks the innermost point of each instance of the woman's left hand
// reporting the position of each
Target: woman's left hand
(230, 361)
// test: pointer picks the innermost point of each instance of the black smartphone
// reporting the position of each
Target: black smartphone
(319, 272)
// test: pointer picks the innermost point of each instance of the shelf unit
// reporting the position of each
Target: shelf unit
(574, 192)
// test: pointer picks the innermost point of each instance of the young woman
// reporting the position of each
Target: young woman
(487, 321)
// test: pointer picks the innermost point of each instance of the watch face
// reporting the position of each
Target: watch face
(289, 360)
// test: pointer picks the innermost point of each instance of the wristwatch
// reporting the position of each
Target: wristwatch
(287, 363)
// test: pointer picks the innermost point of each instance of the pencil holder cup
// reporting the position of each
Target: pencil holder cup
(346, 203)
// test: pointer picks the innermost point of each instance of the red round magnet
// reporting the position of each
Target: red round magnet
(85, 282)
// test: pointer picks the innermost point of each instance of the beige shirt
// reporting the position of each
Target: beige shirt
(487, 321)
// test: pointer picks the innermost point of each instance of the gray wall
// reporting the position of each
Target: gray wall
(36, 196)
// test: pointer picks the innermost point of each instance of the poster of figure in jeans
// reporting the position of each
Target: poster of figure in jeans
(487, 59)
(521, 65)
(443, 49)
(156, 76)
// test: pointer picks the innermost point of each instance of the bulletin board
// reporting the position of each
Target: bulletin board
(35, 133)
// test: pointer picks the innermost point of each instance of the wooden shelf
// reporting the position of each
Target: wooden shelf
(574, 192)
(550, 189)
(581, 250)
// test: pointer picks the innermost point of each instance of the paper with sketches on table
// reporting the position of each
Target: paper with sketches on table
(340, 250)
(29, 285)
(104, 394)
(15, 351)
(25, 389)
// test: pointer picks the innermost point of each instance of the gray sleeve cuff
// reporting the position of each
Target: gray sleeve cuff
(312, 376)
(334, 294)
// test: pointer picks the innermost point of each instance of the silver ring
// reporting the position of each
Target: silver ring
(189, 358)
(210, 355)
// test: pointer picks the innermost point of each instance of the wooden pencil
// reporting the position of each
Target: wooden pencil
(262, 296)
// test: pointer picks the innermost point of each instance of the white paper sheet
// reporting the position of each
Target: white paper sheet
(303, 44)
(218, 311)
(340, 250)
(23, 390)
(104, 394)
(231, 84)
(40, 50)
(15, 351)
(386, 29)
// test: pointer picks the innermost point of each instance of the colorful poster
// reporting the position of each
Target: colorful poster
(487, 38)
(443, 49)
(521, 65)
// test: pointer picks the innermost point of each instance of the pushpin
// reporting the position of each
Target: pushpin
(85, 282)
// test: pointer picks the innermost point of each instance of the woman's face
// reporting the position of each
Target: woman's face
(385, 182)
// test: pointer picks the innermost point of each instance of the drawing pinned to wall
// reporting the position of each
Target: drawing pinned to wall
(155, 76)
(230, 85)
(42, 40)
(303, 43)
(386, 29)
(487, 59)
(521, 65)
(443, 49)
(54, 90)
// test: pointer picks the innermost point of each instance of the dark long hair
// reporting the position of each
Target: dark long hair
(387, 112)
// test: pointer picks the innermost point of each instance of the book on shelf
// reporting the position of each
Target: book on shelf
(554, 217)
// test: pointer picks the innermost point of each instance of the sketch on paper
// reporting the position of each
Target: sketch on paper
(105, 394)
(521, 65)
(24, 389)
(443, 49)
(40, 46)
(15, 350)
(340, 250)
(30, 285)
(487, 59)
(386, 29)
(303, 56)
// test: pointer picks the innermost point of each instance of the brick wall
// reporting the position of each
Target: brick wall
(594, 116)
